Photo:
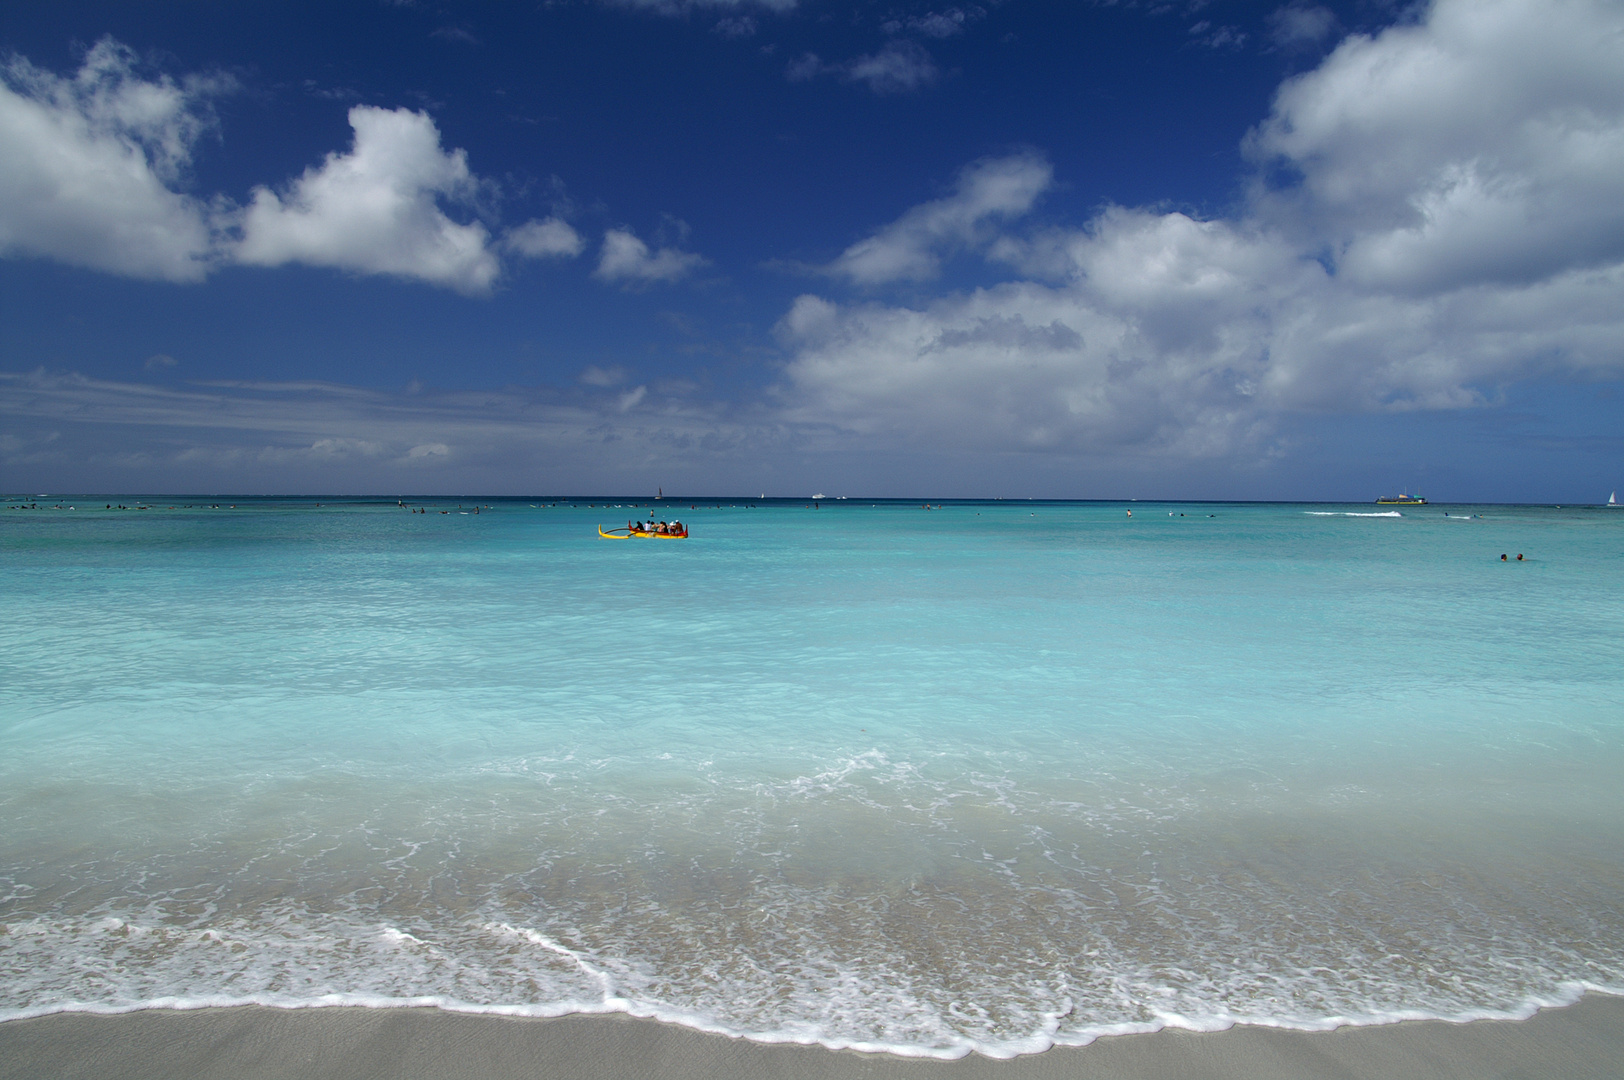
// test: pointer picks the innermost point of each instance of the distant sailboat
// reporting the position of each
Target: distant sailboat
(1612, 500)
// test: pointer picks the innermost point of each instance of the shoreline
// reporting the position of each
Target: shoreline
(254, 1042)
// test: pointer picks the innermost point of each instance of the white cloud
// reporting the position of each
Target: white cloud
(1152, 348)
(92, 166)
(741, 27)
(949, 22)
(375, 209)
(805, 67)
(1300, 24)
(898, 68)
(88, 166)
(593, 375)
(544, 238)
(340, 448)
(1483, 145)
(911, 248)
(1452, 221)
(625, 258)
(1222, 37)
(454, 33)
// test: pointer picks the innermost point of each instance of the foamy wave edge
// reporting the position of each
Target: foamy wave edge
(1569, 993)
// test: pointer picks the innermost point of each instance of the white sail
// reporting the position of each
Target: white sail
(1612, 500)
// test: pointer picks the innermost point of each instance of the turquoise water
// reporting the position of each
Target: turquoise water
(992, 776)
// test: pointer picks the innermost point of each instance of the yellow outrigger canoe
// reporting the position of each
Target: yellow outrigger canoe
(627, 534)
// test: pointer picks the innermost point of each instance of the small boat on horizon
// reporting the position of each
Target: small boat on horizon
(1401, 500)
(1612, 500)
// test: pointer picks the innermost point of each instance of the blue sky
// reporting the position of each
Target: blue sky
(1205, 249)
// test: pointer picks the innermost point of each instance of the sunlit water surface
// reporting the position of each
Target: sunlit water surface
(991, 776)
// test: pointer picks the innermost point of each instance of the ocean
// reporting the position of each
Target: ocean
(990, 776)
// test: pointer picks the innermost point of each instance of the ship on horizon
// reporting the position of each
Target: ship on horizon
(1401, 500)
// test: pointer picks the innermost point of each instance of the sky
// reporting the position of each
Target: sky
(1181, 249)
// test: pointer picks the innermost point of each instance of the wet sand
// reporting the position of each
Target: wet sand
(253, 1043)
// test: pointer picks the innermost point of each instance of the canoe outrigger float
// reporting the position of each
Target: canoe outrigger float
(680, 533)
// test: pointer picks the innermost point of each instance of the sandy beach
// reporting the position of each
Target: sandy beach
(253, 1043)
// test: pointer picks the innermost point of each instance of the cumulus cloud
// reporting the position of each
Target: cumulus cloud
(89, 166)
(911, 248)
(1483, 145)
(93, 169)
(545, 238)
(376, 209)
(1151, 344)
(628, 260)
(1440, 212)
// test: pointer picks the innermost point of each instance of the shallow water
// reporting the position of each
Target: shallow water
(986, 777)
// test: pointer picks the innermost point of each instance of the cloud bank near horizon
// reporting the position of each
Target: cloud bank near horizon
(301, 435)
